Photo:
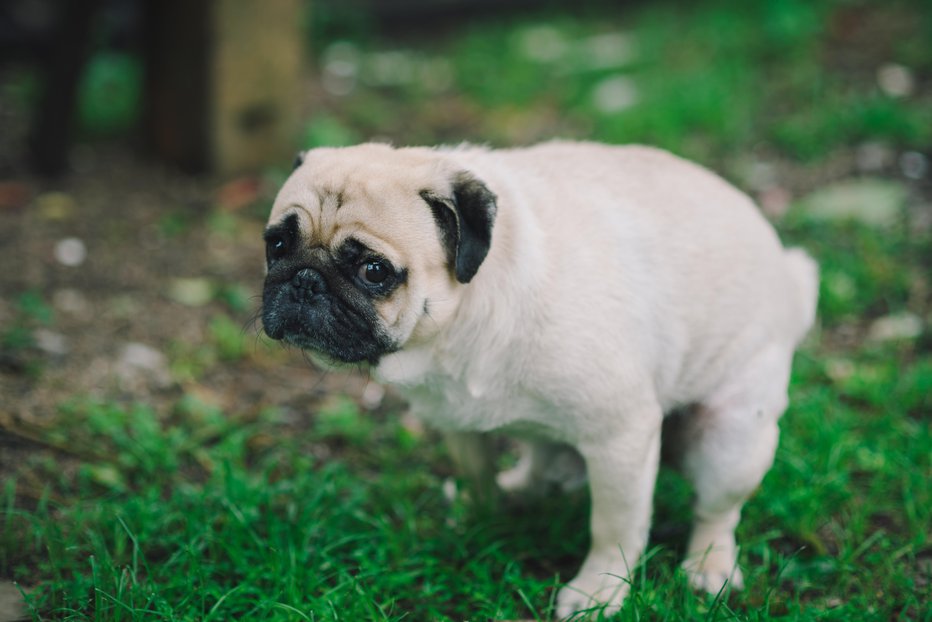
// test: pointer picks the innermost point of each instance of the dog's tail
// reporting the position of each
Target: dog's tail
(804, 272)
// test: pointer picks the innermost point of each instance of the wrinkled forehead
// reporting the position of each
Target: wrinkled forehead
(322, 196)
(359, 178)
(370, 197)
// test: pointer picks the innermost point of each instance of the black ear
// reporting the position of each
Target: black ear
(465, 221)
(298, 159)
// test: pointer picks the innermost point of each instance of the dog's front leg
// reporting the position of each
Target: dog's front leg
(622, 471)
(472, 454)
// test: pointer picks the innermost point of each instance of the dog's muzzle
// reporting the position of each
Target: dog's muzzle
(307, 283)
(305, 311)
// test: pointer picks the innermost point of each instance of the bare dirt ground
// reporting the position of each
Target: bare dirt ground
(130, 321)
(113, 279)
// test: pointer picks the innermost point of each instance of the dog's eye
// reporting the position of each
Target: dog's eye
(275, 247)
(373, 272)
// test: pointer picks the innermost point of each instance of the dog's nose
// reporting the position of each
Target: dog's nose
(309, 281)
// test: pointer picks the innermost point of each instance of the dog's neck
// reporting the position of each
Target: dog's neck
(486, 318)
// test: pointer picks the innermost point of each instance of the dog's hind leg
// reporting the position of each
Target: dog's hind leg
(730, 443)
(543, 466)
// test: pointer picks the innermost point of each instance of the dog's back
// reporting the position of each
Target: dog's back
(697, 278)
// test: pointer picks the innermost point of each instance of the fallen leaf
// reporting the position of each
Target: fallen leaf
(14, 195)
(238, 194)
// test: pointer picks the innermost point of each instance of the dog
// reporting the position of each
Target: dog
(572, 295)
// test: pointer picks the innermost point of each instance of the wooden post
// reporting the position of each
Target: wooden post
(224, 82)
(53, 125)
(256, 82)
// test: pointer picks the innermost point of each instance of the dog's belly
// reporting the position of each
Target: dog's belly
(450, 406)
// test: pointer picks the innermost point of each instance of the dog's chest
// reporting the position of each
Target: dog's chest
(476, 395)
(450, 405)
(480, 402)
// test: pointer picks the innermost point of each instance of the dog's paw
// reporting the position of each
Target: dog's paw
(518, 481)
(591, 595)
(712, 573)
(564, 471)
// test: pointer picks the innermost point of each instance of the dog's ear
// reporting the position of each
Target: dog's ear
(465, 221)
(298, 160)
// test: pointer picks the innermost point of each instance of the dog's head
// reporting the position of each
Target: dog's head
(367, 247)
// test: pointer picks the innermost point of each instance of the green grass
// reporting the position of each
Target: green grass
(197, 514)
(189, 513)
(708, 79)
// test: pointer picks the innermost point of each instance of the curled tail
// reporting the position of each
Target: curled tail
(804, 272)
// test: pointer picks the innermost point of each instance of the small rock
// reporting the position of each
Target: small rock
(543, 44)
(872, 201)
(12, 606)
(72, 302)
(839, 369)
(914, 165)
(615, 94)
(872, 157)
(70, 252)
(758, 175)
(139, 355)
(138, 362)
(391, 68)
(195, 292)
(896, 80)
(341, 62)
(895, 327)
(607, 50)
(51, 342)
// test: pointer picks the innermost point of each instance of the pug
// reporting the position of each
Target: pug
(572, 295)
